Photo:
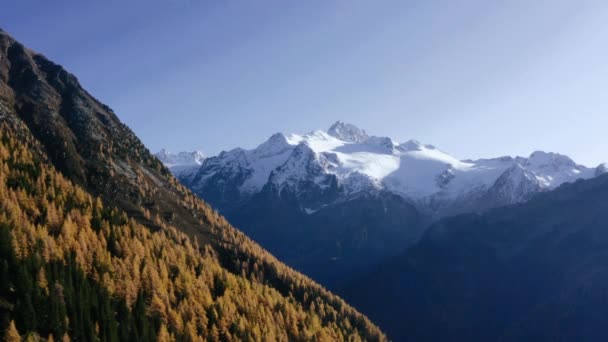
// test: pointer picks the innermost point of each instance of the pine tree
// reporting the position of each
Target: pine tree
(163, 334)
(12, 334)
(69, 264)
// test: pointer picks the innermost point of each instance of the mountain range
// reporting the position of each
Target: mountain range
(182, 162)
(335, 202)
(100, 241)
(534, 271)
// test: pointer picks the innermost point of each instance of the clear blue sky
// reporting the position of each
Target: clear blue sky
(475, 78)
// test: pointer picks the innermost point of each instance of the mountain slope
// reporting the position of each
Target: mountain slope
(105, 243)
(533, 271)
(325, 202)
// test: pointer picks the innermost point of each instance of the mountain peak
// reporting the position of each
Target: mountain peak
(412, 145)
(540, 158)
(275, 144)
(601, 169)
(277, 138)
(180, 159)
(347, 132)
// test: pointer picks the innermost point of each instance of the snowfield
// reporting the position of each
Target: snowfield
(359, 162)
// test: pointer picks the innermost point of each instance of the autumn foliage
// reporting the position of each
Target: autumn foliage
(72, 267)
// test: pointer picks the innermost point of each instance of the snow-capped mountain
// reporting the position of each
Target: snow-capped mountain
(333, 202)
(357, 162)
(182, 162)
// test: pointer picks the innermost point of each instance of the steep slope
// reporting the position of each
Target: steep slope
(98, 236)
(323, 202)
(535, 271)
(331, 245)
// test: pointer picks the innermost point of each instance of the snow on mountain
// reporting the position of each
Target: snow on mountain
(552, 169)
(601, 169)
(181, 162)
(347, 132)
(181, 158)
(359, 162)
(517, 184)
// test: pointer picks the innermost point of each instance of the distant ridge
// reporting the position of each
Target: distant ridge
(334, 202)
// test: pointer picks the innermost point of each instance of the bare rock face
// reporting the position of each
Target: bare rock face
(347, 132)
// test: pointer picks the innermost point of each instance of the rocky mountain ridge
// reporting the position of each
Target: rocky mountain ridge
(333, 203)
(344, 155)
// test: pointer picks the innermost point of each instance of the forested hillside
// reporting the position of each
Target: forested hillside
(530, 272)
(99, 242)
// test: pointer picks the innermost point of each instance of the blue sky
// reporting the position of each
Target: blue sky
(475, 78)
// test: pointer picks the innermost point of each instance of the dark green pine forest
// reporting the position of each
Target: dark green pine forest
(98, 242)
